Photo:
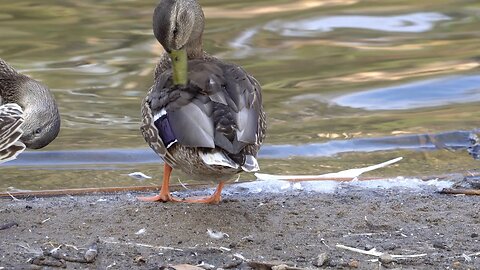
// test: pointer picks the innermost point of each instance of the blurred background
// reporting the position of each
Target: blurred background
(346, 84)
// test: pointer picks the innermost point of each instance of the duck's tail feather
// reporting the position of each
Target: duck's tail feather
(220, 158)
(251, 164)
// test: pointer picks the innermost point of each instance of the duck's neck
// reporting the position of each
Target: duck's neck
(9, 89)
(194, 51)
(8, 83)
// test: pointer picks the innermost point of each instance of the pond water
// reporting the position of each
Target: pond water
(346, 84)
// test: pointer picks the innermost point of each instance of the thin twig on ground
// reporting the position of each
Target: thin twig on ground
(182, 184)
(13, 197)
(460, 191)
(140, 245)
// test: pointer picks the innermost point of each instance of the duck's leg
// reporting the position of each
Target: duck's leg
(164, 195)
(214, 199)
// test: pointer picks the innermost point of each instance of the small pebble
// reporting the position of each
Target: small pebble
(280, 267)
(301, 259)
(442, 245)
(473, 235)
(389, 246)
(322, 259)
(368, 247)
(249, 238)
(333, 263)
(353, 264)
(91, 253)
(386, 258)
(47, 261)
(139, 260)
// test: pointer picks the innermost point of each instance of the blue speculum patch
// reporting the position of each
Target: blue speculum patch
(165, 130)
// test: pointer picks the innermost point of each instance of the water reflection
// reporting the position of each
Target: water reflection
(344, 68)
(428, 93)
(408, 23)
(318, 26)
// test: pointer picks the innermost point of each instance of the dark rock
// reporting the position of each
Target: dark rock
(389, 246)
(368, 247)
(442, 245)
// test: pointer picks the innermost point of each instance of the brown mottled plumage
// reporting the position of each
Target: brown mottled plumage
(11, 118)
(212, 127)
(28, 113)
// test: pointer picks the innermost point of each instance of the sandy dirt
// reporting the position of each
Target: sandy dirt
(297, 229)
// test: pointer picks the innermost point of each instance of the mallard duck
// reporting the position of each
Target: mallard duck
(28, 113)
(210, 126)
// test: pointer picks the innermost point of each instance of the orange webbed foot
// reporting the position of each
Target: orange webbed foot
(164, 195)
(207, 200)
(214, 199)
(160, 198)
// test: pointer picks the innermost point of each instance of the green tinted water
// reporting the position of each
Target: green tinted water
(331, 71)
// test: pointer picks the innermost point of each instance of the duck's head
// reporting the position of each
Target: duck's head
(42, 120)
(178, 26)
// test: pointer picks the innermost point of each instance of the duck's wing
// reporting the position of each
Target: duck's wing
(220, 107)
(236, 102)
(11, 118)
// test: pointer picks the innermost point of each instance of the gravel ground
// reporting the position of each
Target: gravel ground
(260, 231)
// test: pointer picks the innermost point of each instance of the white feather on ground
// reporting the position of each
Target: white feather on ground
(351, 173)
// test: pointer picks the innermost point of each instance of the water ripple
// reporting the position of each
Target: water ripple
(418, 22)
(407, 23)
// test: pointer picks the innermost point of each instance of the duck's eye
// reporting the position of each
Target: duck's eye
(38, 131)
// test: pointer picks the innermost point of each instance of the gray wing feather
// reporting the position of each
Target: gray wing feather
(247, 126)
(218, 108)
(192, 125)
(230, 85)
